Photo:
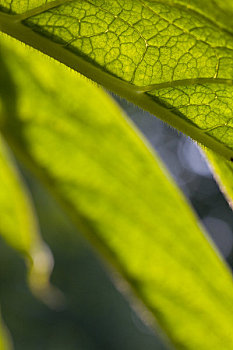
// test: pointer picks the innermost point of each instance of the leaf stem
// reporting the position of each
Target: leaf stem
(133, 93)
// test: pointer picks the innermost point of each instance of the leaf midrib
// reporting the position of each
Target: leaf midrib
(135, 94)
(146, 88)
(120, 87)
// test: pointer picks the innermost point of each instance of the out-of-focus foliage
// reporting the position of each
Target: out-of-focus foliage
(96, 315)
(5, 341)
(171, 57)
(82, 148)
(18, 226)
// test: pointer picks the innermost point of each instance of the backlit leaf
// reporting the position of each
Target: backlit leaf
(223, 171)
(171, 57)
(79, 144)
(19, 228)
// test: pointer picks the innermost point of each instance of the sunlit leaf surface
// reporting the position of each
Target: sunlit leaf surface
(19, 228)
(171, 57)
(76, 140)
(223, 171)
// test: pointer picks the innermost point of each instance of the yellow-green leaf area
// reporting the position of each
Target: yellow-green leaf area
(112, 186)
(19, 228)
(140, 49)
(16, 226)
(149, 42)
(5, 340)
(21, 6)
(209, 106)
(223, 171)
(217, 11)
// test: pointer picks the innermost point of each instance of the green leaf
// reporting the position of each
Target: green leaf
(223, 172)
(76, 140)
(19, 228)
(169, 57)
(5, 340)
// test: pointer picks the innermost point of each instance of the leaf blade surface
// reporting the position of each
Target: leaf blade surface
(19, 228)
(223, 172)
(114, 189)
(165, 56)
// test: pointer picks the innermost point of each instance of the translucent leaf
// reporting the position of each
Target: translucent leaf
(19, 228)
(169, 57)
(223, 172)
(76, 140)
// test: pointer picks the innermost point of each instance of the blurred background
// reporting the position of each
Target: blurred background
(96, 315)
